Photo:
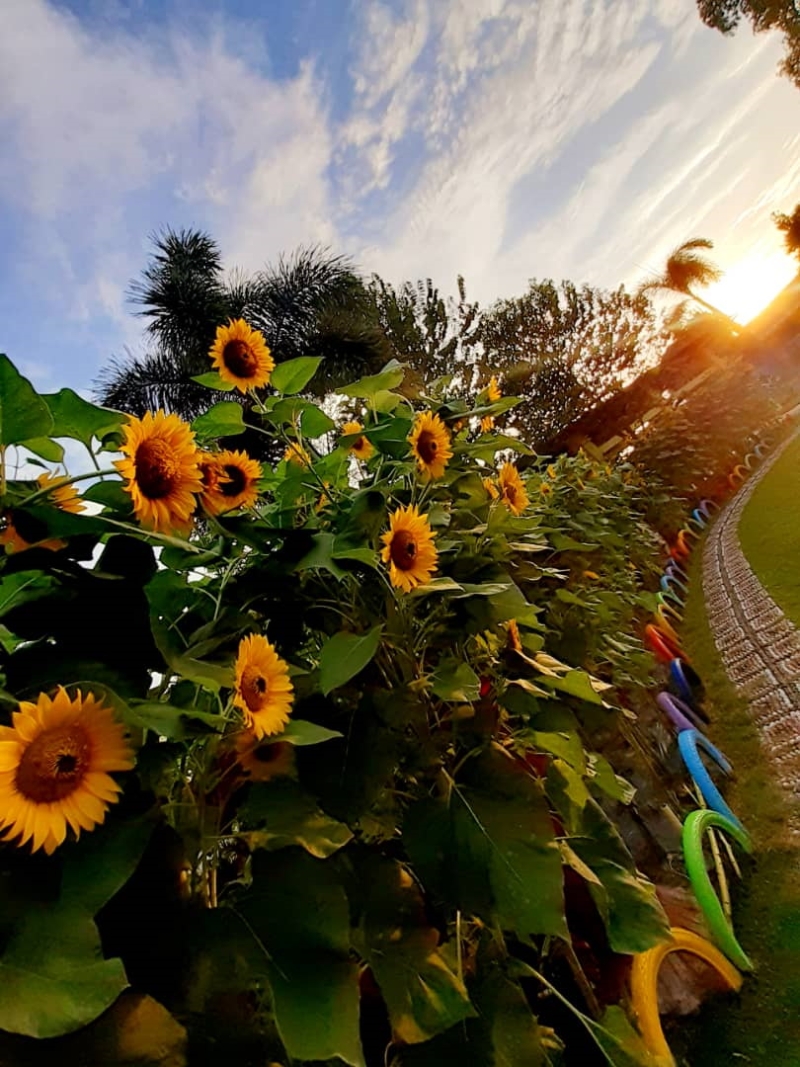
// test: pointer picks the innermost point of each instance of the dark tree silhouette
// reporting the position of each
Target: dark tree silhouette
(780, 15)
(790, 227)
(312, 303)
(685, 269)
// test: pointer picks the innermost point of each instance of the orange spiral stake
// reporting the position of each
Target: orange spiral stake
(644, 985)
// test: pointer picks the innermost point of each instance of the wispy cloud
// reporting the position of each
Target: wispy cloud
(499, 138)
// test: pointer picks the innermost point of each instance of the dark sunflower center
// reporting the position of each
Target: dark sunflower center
(240, 359)
(511, 493)
(403, 550)
(156, 469)
(254, 688)
(54, 764)
(427, 446)
(266, 753)
(235, 480)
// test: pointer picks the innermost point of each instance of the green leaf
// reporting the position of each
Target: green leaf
(53, 977)
(224, 419)
(620, 1042)
(110, 494)
(634, 918)
(22, 587)
(175, 723)
(46, 448)
(489, 849)
(298, 910)
(613, 785)
(289, 815)
(212, 380)
(301, 732)
(299, 413)
(345, 655)
(295, 374)
(367, 388)
(77, 418)
(577, 684)
(23, 412)
(456, 681)
(442, 584)
(423, 993)
(564, 543)
(320, 556)
(209, 675)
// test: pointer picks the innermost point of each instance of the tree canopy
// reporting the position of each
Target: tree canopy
(780, 15)
(565, 347)
(789, 225)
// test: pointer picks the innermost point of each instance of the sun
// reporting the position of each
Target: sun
(749, 285)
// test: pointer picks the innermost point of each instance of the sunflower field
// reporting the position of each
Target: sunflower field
(322, 756)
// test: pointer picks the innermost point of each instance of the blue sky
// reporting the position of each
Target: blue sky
(501, 139)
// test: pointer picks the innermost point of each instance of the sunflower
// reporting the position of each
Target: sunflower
(551, 472)
(61, 495)
(296, 454)
(263, 689)
(261, 761)
(545, 488)
(493, 391)
(409, 549)
(163, 472)
(491, 488)
(487, 423)
(241, 356)
(230, 481)
(362, 448)
(512, 490)
(54, 768)
(430, 443)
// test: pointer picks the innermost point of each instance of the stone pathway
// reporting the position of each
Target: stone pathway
(759, 646)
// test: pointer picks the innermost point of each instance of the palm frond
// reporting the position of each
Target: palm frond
(147, 383)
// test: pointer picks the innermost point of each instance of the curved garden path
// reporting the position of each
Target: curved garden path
(759, 646)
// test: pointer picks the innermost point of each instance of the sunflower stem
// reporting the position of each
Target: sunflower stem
(61, 482)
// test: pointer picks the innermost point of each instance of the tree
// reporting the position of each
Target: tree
(565, 347)
(434, 335)
(312, 303)
(790, 226)
(780, 15)
(685, 269)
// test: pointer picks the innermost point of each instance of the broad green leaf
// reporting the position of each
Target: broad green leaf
(23, 412)
(297, 907)
(386, 401)
(320, 556)
(437, 585)
(613, 785)
(489, 849)
(345, 655)
(456, 681)
(286, 814)
(295, 374)
(367, 388)
(212, 380)
(46, 448)
(77, 418)
(504, 1032)
(301, 732)
(634, 918)
(577, 684)
(621, 1044)
(211, 676)
(172, 722)
(302, 414)
(111, 494)
(24, 586)
(568, 746)
(391, 437)
(563, 543)
(423, 993)
(224, 419)
(53, 977)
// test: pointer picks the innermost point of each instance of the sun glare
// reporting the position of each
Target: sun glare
(749, 285)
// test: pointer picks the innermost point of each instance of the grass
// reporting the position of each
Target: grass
(769, 532)
(760, 1027)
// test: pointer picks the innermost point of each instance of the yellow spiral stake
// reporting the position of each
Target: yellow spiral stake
(644, 985)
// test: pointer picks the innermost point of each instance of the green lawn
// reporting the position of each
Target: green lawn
(770, 532)
(760, 1027)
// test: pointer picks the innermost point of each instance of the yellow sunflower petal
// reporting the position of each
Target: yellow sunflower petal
(430, 445)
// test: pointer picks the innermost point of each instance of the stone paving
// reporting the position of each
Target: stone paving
(759, 646)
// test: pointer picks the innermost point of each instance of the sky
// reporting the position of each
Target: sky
(499, 139)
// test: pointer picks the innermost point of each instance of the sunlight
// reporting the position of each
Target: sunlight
(749, 285)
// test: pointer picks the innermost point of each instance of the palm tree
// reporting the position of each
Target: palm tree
(686, 268)
(313, 303)
(790, 225)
